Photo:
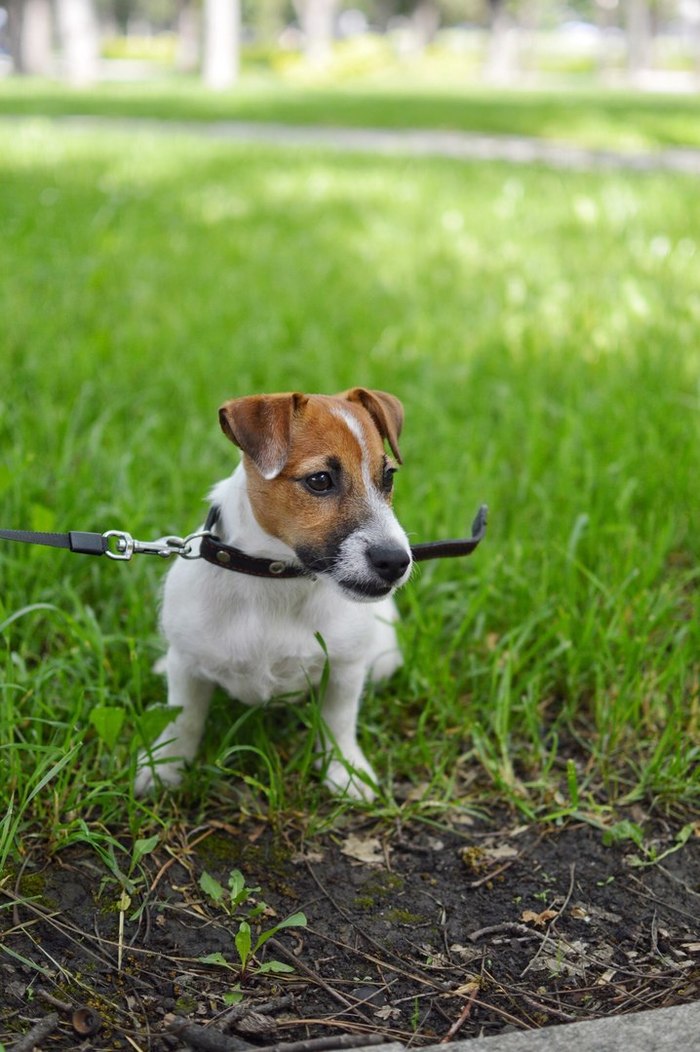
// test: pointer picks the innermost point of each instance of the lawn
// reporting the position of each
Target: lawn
(542, 332)
(590, 117)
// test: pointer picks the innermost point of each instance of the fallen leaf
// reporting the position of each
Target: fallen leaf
(570, 958)
(466, 953)
(539, 919)
(363, 849)
(387, 1012)
(461, 818)
(417, 792)
(588, 912)
(307, 856)
(467, 989)
(503, 851)
(255, 1024)
(606, 977)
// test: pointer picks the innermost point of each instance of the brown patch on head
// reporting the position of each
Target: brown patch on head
(261, 425)
(386, 412)
(289, 438)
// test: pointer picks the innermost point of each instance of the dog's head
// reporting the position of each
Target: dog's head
(319, 479)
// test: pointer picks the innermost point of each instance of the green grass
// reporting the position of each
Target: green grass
(590, 117)
(542, 332)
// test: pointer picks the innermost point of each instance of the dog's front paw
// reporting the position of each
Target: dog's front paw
(149, 775)
(356, 780)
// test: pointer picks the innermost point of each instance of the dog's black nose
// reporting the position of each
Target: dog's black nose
(389, 561)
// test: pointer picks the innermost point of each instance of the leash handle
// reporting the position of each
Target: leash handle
(74, 541)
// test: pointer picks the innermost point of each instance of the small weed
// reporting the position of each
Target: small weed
(232, 901)
(129, 883)
(648, 852)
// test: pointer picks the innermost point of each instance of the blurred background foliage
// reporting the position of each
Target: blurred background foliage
(649, 43)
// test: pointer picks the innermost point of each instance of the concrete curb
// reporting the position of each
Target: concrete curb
(661, 1030)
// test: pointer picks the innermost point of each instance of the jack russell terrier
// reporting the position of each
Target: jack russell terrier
(313, 494)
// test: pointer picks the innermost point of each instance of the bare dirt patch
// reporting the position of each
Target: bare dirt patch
(417, 934)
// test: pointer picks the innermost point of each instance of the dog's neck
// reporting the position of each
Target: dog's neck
(237, 525)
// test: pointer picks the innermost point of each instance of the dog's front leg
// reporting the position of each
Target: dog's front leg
(178, 743)
(342, 756)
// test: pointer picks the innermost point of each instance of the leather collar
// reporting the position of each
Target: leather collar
(214, 551)
(227, 557)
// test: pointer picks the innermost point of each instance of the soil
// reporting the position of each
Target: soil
(417, 933)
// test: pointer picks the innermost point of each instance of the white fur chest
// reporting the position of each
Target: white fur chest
(259, 640)
(258, 663)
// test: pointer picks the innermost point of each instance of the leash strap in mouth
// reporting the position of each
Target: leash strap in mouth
(117, 544)
(449, 549)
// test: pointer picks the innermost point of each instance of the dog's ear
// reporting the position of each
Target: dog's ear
(386, 412)
(261, 425)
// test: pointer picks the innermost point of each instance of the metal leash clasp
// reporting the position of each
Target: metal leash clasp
(122, 546)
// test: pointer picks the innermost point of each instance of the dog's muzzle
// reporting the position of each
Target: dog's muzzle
(389, 562)
(371, 571)
(364, 567)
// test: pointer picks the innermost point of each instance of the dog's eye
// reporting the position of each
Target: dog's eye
(388, 478)
(319, 482)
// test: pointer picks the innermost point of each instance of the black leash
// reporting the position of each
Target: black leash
(117, 544)
(82, 543)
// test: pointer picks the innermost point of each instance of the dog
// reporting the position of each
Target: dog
(313, 491)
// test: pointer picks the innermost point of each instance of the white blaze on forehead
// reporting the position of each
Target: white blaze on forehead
(381, 526)
(355, 427)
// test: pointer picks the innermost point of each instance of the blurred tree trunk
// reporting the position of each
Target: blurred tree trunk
(222, 33)
(268, 18)
(188, 42)
(122, 10)
(639, 36)
(317, 18)
(603, 11)
(501, 55)
(30, 27)
(80, 43)
(426, 21)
